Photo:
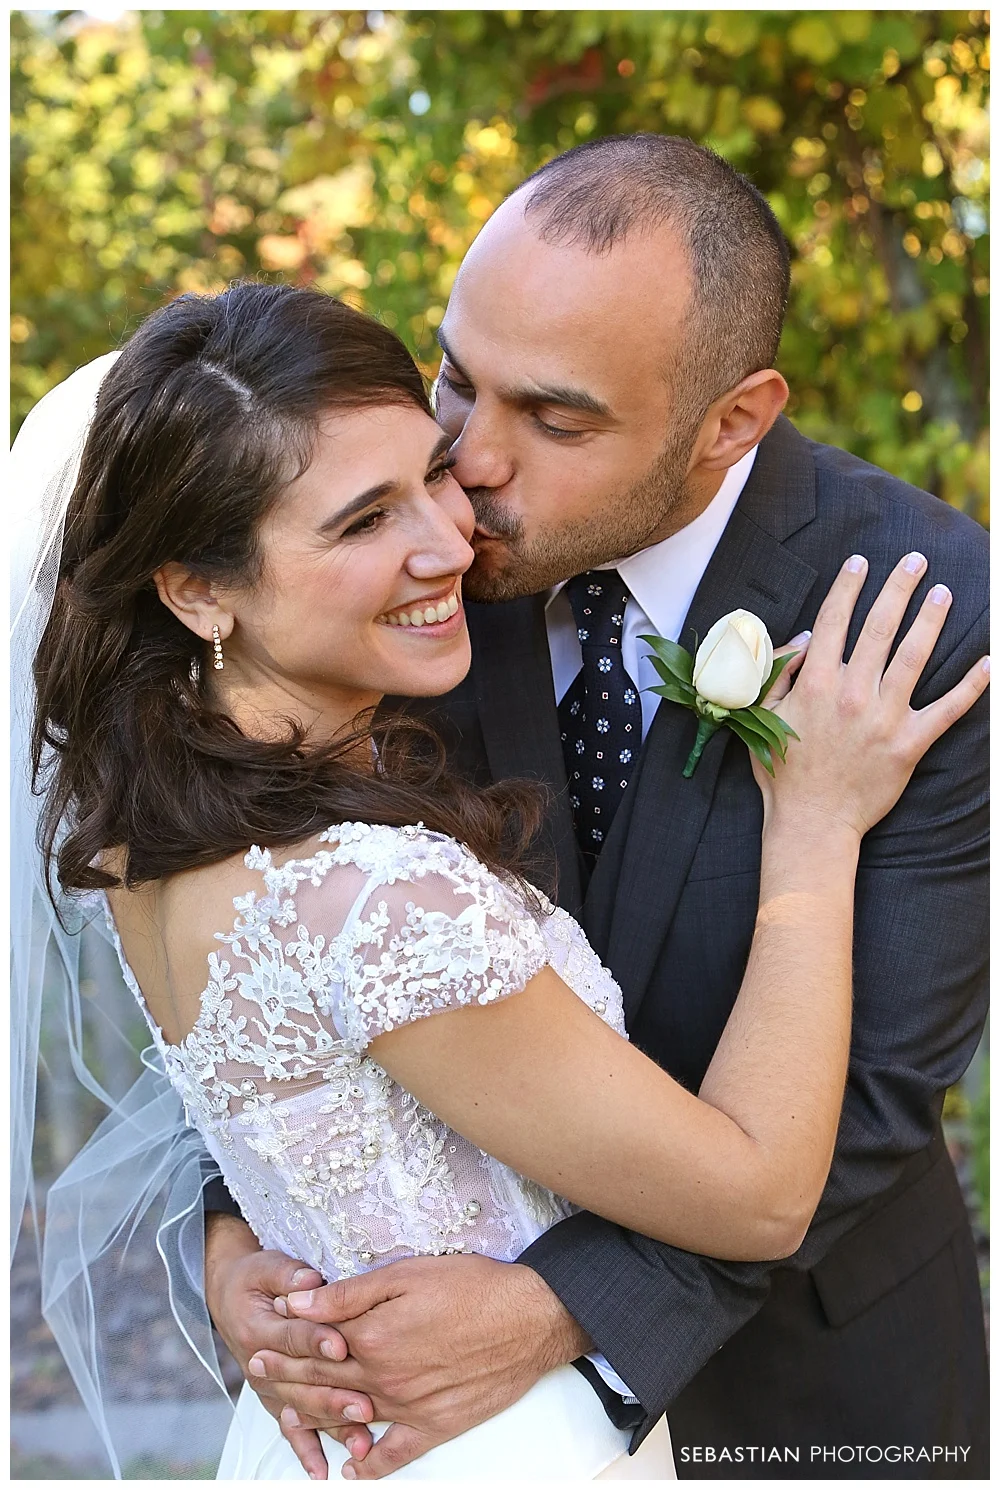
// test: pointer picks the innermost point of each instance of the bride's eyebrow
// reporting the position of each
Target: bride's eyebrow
(358, 504)
(376, 493)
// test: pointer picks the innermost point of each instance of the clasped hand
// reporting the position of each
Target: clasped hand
(431, 1345)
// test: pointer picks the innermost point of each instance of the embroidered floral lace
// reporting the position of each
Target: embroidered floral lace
(329, 1159)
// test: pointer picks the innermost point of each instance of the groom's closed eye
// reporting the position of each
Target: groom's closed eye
(565, 413)
(560, 411)
(455, 383)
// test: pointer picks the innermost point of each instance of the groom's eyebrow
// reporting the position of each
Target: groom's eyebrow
(448, 351)
(555, 393)
(537, 393)
(382, 489)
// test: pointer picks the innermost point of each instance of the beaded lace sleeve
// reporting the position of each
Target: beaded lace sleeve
(327, 1157)
(430, 929)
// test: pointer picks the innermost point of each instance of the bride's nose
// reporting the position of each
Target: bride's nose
(444, 546)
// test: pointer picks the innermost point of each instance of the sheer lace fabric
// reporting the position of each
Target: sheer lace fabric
(329, 1159)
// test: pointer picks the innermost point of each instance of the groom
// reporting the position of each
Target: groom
(607, 379)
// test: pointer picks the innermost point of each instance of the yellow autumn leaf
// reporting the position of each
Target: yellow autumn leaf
(763, 114)
(279, 251)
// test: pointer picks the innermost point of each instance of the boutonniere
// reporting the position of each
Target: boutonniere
(724, 682)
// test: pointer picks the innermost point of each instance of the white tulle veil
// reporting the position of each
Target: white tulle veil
(143, 1169)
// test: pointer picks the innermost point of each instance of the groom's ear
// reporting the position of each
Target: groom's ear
(739, 420)
(192, 601)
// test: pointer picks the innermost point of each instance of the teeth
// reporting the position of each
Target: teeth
(428, 616)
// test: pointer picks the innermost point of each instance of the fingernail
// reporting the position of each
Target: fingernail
(356, 1447)
(913, 563)
(985, 665)
(257, 1366)
(802, 637)
(327, 1348)
(281, 1307)
(301, 1300)
(290, 1417)
(302, 1276)
(940, 595)
(353, 1413)
(349, 1472)
(856, 563)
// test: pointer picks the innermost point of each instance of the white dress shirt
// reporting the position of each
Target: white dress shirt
(662, 581)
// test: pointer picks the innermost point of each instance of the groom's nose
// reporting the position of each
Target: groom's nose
(482, 456)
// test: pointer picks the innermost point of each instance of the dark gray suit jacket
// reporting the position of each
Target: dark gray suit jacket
(670, 908)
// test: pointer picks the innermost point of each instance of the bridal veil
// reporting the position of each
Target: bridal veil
(143, 1165)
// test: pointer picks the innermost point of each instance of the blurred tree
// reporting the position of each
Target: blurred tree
(361, 151)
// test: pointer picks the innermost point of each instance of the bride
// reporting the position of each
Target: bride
(388, 1039)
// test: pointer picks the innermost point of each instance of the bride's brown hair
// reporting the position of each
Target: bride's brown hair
(207, 415)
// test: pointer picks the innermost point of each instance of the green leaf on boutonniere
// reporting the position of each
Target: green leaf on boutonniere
(775, 720)
(751, 738)
(677, 693)
(780, 663)
(670, 660)
(767, 724)
(746, 720)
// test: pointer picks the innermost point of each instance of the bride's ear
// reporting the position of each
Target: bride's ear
(192, 601)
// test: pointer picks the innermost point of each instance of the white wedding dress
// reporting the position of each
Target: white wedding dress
(334, 1163)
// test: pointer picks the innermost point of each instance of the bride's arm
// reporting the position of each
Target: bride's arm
(736, 1172)
(540, 1082)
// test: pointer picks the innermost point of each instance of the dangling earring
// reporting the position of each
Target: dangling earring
(217, 662)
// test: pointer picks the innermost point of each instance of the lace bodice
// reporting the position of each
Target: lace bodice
(329, 1159)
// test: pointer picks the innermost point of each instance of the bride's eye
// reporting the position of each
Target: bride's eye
(439, 472)
(370, 523)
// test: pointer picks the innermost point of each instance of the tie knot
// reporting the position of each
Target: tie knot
(598, 599)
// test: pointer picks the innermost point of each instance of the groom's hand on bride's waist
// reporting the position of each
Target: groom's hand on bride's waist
(438, 1344)
(242, 1286)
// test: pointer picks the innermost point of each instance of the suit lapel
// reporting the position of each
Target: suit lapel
(517, 715)
(643, 867)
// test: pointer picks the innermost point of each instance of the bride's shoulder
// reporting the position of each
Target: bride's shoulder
(384, 854)
(328, 880)
(399, 872)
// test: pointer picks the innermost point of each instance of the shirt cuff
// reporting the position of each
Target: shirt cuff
(610, 1377)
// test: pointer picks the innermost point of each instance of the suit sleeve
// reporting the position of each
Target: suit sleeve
(921, 935)
(215, 1197)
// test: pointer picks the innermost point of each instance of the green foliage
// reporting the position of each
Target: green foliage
(145, 1467)
(361, 151)
(979, 1123)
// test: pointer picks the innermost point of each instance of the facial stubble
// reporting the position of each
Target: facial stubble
(508, 566)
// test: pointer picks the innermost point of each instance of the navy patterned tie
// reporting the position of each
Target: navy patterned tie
(600, 716)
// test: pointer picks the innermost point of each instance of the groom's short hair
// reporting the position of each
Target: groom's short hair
(598, 193)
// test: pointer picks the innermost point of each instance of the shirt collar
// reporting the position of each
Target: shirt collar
(683, 557)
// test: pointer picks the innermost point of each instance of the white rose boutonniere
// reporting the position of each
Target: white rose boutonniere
(732, 671)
